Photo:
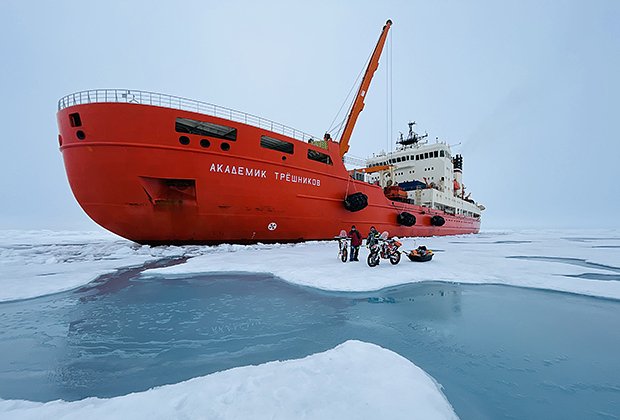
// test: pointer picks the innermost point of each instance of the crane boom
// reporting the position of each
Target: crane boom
(358, 104)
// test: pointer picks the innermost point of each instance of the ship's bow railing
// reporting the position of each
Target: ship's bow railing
(176, 102)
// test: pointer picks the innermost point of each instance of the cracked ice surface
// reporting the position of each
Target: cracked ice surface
(582, 262)
(36, 263)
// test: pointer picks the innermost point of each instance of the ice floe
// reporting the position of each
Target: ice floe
(353, 380)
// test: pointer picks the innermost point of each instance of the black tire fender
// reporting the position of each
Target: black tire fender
(405, 219)
(356, 202)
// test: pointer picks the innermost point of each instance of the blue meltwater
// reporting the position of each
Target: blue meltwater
(498, 352)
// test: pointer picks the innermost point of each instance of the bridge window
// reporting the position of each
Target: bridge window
(441, 153)
(319, 157)
(201, 128)
(275, 144)
(425, 155)
(436, 153)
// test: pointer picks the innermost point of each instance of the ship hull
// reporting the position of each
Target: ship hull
(131, 173)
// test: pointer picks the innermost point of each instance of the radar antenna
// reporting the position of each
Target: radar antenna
(412, 137)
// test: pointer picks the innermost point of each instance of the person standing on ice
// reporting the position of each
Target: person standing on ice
(356, 241)
(373, 236)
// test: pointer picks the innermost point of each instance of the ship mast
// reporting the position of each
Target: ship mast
(358, 104)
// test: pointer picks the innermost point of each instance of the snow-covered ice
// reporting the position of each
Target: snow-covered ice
(36, 263)
(545, 260)
(355, 379)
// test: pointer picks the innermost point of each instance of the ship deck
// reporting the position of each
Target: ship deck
(132, 96)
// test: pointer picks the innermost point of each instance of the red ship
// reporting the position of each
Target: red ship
(159, 169)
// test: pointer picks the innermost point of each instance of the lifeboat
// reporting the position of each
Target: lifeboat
(395, 193)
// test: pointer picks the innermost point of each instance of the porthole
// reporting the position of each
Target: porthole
(225, 147)
(80, 134)
(283, 157)
(205, 143)
(184, 140)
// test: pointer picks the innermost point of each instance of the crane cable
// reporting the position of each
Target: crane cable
(355, 86)
(389, 112)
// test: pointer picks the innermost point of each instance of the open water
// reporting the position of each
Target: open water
(499, 352)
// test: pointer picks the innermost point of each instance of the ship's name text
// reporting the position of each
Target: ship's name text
(238, 170)
(262, 173)
(288, 177)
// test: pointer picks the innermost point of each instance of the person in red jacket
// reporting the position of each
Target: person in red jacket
(356, 241)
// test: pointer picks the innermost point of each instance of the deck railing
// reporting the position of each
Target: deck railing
(176, 102)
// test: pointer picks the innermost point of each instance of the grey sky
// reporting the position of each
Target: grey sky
(529, 88)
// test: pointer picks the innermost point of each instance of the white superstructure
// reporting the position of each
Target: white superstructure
(430, 175)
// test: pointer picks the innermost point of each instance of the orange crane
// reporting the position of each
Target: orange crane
(358, 104)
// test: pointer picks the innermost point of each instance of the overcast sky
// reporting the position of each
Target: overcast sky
(530, 89)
